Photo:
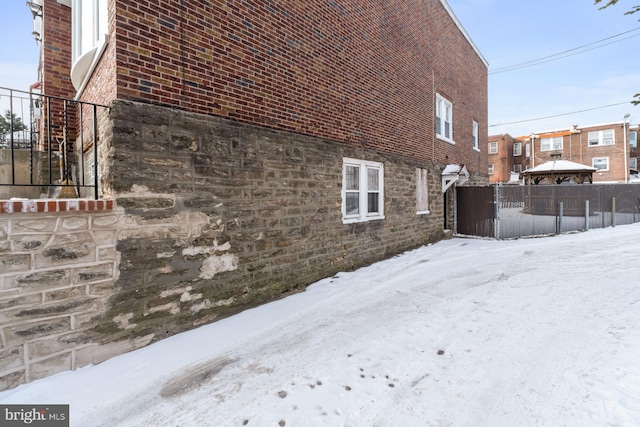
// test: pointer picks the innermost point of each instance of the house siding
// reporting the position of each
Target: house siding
(224, 143)
(359, 72)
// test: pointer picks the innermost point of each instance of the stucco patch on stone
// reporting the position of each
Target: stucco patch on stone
(122, 321)
(217, 264)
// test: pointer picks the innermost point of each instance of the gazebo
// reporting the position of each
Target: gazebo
(558, 172)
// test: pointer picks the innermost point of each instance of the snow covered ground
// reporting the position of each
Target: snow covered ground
(530, 332)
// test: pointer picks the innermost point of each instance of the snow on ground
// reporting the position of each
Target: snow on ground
(465, 332)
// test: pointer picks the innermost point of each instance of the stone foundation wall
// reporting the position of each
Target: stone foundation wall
(212, 217)
(223, 216)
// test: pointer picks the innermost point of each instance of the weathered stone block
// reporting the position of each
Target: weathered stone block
(11, 358)
(40, 280)
(31, 330)
(52, 365)
(12, 379)
(14, 262)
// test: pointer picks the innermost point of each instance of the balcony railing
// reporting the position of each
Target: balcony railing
(48, 146)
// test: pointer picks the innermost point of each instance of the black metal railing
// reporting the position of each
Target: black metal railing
(48, 146)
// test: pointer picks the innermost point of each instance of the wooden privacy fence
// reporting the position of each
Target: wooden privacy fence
(505, 212)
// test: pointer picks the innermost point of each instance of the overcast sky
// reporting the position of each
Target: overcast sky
(507, 33)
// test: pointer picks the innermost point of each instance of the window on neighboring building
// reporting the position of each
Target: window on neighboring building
(633, 163)
(444, 123)
(490, 168)
(527, 150)
(517, 167)
(549, 144)
(493, 147)
(600, 163)
(602, 137)
(633, 139)
(517, 149)
(475, 135)
(89, 36)
(422, 192)
(363, 190)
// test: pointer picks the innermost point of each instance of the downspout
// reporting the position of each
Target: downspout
(433, 98)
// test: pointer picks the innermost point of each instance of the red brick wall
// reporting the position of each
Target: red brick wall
(575, 147)
(358, 71)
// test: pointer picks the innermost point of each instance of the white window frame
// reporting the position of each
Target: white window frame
(517, 149)
(601, 137)
(493, 147)
(551, 144)
(527, 149)
(363, 191)
(633, 139)
(633, 163)
(444, 119)
(593, 163)
(422, 191)
(474, 135)
(490, 169)
(89, 38)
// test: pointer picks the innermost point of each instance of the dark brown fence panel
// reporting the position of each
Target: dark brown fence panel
(534, 210)
(475, 211)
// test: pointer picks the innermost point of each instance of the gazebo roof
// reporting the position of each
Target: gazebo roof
(558, 171)
(559, 166)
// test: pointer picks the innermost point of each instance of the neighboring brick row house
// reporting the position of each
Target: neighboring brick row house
(606, 147)
(297, 139)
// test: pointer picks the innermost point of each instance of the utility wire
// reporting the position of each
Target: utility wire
(565, 54)
(557, 115)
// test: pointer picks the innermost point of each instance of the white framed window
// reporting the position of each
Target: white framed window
(602, 137)
(422, 192)
(517, 149)
(527, 150)
(89, 36)
(517, 167)
(550, 144)
(490, 168)
(633, 139)
(444, 121)
(633, 163)
(362, 190)
(600, 163)
(474, 135)
(493, 147)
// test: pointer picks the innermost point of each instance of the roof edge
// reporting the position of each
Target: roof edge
(463, 31)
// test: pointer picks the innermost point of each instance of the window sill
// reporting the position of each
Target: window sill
(423, 213)
(447, 140)
(360, 219)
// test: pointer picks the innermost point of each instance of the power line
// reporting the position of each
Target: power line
(558, 115)
(565, 54)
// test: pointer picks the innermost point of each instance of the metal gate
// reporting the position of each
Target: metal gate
(475, 211)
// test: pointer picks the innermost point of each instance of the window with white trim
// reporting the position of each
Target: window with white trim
(490, 169)
(89, 25)
(550, 144)
(474, 134)
(517, 149)
(633, 139)
(422, 192)
(602, 137)
(527, 150)
(493, 147)
(600, 163)
(444, 123)
(362, 190)
(517, 167)
(633, 163)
